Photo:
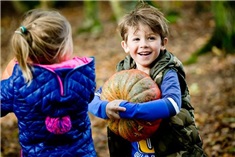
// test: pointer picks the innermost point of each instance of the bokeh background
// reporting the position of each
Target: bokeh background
(201, 36)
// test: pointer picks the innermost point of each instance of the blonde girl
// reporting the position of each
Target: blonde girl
(48, 90)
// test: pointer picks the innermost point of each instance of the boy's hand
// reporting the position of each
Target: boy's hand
(113, 108)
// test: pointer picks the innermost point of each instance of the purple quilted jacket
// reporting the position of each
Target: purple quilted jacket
(52, 109)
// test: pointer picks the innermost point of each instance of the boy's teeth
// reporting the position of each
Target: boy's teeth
(147, 53)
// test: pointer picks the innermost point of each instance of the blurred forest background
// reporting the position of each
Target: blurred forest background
(202, 36)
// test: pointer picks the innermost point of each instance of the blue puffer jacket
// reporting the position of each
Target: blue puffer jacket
(52, 109)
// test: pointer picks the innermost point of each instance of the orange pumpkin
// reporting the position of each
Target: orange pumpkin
(8, 71)
(134, 86)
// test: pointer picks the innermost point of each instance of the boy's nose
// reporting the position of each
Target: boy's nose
(143, 43)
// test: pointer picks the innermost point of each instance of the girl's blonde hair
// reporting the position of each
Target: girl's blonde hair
(147, 15)
(45, 37)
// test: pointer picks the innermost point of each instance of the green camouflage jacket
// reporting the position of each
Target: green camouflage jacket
(177, 136)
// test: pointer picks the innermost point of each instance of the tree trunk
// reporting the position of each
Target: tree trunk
(223, 36)
(91, 22)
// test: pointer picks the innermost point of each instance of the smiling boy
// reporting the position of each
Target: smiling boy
(144, 32)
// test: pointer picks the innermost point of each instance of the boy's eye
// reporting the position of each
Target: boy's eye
(136, 39)
(151, 38)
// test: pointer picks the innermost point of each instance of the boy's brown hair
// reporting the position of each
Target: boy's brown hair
(146, 15)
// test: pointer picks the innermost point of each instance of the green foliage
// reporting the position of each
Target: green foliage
(172, 16)
(224, 13)
(117, 9)
(22, 6)
(223, 36)
(92, 22)
(192, 59)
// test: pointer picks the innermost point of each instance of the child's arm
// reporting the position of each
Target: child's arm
(169, 105)
(104, 109)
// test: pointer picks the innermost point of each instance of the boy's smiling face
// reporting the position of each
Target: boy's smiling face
(143, 45)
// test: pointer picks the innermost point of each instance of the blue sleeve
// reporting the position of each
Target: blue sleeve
(149, 111)
(97, 106)
(6, 97)
(169, 105)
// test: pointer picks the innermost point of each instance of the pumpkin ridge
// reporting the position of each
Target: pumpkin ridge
(115, 89)
(131, 83)
(147, 87)
(113, 125)
(107, 94)
(128, 129)
(127, 88)
(132, 88)
(145, 96)
(123, 84)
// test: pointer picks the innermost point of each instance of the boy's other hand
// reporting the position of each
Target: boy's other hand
(113, 108)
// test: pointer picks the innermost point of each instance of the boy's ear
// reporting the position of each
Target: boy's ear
(164, 42)
(125, 47)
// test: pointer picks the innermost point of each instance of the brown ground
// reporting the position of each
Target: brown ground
(211, 80)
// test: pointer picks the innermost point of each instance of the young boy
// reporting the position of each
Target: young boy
(144, 32)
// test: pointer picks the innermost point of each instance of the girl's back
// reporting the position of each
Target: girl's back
(48, 91)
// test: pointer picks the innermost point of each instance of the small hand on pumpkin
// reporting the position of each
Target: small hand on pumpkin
(113, 108)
